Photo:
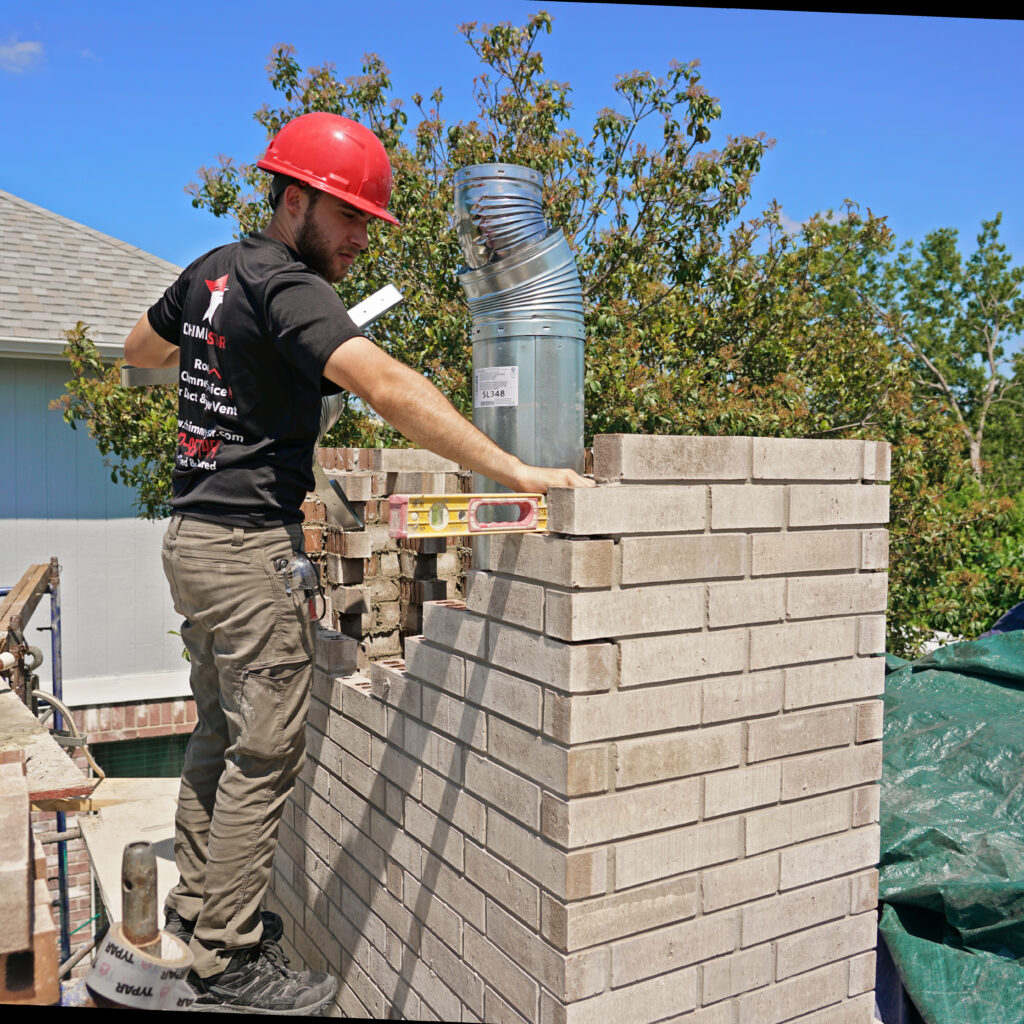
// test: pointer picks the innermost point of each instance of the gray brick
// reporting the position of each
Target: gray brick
(514, 795)
(660, 659)
(827, 858)
(656, 999)
(507, 978)
(818, 596)
(435, 833)
(776, 458)
(791, 998)
(740, 789)
(664, 559)
(633, 457)
(838, 505)
(593, 615)
(503, 883)
(740, 882)
(745, 696)
(504, 600)
(676, 852)
(571, 668)
(746, 602)
(796, 733)
(793, 823)
(505, 694)
(448, 624)
(434, 665)
(874, 549)
(747, 507)
(797, 642)
(560, 561)
(452, 802)
(831, 682)
(657, 758)
(454, 716)
(832, 769)
(774, 554)
(626, 509)
(838, 940)
(741, 972)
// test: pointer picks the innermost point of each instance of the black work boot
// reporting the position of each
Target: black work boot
(182, 928)
(257, 980)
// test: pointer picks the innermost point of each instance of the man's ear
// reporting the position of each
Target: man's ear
(295, 200)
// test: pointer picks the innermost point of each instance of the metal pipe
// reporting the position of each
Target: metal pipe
(62, 837)
(138, 894)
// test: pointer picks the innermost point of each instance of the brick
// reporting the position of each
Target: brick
(745, 696)
(819, 596)
(566, 772)
(828, 683)
(497, 1011)
(731, 975)
(533, 952)
(793, 823)
(659, 659)
(797, 642)
(746, 602)
(747, 507)
(669, 949)
(798, 995)
(598, 614)
(838, 505)
(869, 721)
(455, 717)
(437, 752)
(775, 554)
(390, 685)
(681, 558)
(838, 940)
(740, 882)
(862, 975)
(833, 769)
(335, 652)
(434, 665)
(776, 458)
(501, 972)
(874, 549)
(516, 796)
(387, 760)
(569, 668)
(864, 891)
(513, 891)
(356, 485)
(827, 858)
(871, 634)
(589, 717)
(448, 624)
(675, 852)
(359, 704)
(598, 921)
(798, 732)
(866, 805)
(354, 544)
(505, 695)
(741, 789)
(626, 509)
(657, 758)
(600, 819)
(560, 561)
(504, 600)
(632, 457)
(877, 460)
(655, 999)
(435, 833)
(408, 460)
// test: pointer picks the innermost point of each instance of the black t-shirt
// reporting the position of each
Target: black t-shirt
(255, 326)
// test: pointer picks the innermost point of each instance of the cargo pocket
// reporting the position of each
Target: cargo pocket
(272, 703)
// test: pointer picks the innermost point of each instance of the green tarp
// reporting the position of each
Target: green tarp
(951, 878)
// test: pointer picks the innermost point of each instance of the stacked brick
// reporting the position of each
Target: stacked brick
(376, 586)
(634, 776)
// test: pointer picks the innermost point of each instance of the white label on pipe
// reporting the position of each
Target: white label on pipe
(495, 385)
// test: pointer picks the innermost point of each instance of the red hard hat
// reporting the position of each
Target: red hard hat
(336, 155)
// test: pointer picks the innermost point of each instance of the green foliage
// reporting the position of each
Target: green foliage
(138, 426)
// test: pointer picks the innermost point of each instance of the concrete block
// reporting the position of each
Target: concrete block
(582, 512)
(828, 858)
(833, 769)
(747, 696)
(864, 891)
(675, 852)
(344, 570)
(655, 999)
(435, 833)
(789, 999)
(746, 602)
(686, 656)
(389, 684)
(358, 704)
(409, 460)
(387, 760)
(505, 600)
(838, 940)
(560, 561)
(793, 823)
(583, 718)
(831, 682)
(818, 596)
(530, 950)
(516, 796)
(797, 733)
(869, 721)
(633, 457)
(335, 653)
(664, 559)
(862, 979)
(504, 694)
(794, 911)
(741, 789)
(434, 750)
(740, 882)
(747, 507)
(598, 921)
(355, 544)
(728, 976)
(434, 665)
(669, 949)
(514, 891)
(838, 505)
(866, 805)
(451, 887)
(778, 458)
(798, 642)
(448, 624)
(456, 718)
(593, 615)
(569, 668)
(565, 772)
(871, 634)
(356, 485)
(349, 601)
(657, 758)
(877, 460)
(776, 554)
(874, 549)
(496, 1010)
(413, 482)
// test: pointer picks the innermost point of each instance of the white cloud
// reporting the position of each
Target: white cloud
(16, 56)
(789, 225)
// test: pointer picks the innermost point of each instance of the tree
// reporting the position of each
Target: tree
(957, 318)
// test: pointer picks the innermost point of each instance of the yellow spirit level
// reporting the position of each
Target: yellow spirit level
(456, 515)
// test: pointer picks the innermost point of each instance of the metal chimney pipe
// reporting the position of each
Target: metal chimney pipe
(524, 293)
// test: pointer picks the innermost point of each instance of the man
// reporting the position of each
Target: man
(259, 334)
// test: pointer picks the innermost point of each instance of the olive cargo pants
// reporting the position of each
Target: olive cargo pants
(251, 671)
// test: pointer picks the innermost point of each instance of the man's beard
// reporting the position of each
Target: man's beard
(314, 249)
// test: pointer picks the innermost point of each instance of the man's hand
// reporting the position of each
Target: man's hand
(539, 480)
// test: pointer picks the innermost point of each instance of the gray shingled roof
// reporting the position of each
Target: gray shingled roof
(54, 272)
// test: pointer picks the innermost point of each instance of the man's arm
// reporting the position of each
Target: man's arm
(417, 409)
(144, 347)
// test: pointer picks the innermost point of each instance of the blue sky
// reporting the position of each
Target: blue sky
(110, 107)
